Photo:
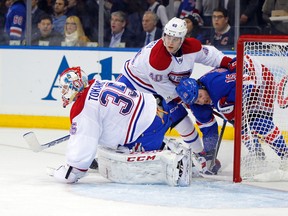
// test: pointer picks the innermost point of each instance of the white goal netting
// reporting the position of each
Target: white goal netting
(264, 126)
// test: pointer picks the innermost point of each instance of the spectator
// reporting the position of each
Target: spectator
(248, 15)
(176, 7)
(72, 8)
(46, 36)
(46, 5)
(119, 35)
(278, 27)
(150, 31)
(222, 36)
(193, 28)
(3, 12)
(160, 11)
(37, 13)
(205, 8)
(261, 22)
(59, 17)
(134, 11)
(8, 4)
(15, 23)
(74, 33)
(88, 12)
(4, 5)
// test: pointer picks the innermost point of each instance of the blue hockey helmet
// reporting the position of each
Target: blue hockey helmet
(187, 90)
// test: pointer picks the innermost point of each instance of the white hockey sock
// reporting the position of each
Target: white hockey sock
(189, 134)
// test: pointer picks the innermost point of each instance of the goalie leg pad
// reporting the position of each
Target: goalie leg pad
(130, 168)
(177, 168)
(150, 167)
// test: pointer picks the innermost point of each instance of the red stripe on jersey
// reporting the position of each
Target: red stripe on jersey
(132, 121)
(16, 31)
(79, 103)
(135, 77)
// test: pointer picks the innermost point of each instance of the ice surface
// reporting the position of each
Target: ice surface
(26, 189)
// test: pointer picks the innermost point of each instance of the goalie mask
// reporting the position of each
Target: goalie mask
(72, 82)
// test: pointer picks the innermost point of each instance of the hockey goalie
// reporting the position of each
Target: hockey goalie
(124, 129)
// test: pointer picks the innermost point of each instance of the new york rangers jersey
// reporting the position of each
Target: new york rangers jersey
(153, 69)
(220, 83)
(15, 23)
(107, 113)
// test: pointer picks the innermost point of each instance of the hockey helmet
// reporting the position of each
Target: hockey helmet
(187, 90)
(72, 82)
(176, 27)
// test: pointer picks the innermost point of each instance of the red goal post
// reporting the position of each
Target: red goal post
(272, 51)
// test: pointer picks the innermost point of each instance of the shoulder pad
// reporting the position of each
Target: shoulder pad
(159, 58)
(191, 45)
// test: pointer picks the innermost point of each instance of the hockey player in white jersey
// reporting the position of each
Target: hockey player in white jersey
(113, 121)
(159, 67)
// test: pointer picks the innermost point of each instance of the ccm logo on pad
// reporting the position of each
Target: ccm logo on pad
(141, 158)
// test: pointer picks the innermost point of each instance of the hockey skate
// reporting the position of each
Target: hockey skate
(203, 161)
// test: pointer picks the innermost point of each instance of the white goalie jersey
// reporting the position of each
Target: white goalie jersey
(112, 115)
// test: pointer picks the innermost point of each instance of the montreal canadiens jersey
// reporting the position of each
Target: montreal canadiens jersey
(153, 69)
(109, 114)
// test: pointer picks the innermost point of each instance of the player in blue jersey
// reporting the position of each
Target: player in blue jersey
(216, 90)
(15, 23)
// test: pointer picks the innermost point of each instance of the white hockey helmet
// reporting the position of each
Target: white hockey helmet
(72, 82)
(176, 27)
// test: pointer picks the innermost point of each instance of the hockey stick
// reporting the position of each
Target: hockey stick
(219, 138)
(34, 144)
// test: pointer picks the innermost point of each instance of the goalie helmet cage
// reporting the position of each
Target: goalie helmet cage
(249, 165)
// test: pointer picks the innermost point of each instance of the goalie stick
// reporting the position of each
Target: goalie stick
(34, 144)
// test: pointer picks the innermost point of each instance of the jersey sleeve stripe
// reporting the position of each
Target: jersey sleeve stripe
(134, 119)
(137, 80)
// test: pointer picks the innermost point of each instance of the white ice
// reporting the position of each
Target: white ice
(26, 189)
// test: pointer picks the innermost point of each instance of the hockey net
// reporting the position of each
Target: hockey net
(261, 113)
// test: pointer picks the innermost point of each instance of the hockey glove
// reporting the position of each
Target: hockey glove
(232, 65)
(226, 109)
